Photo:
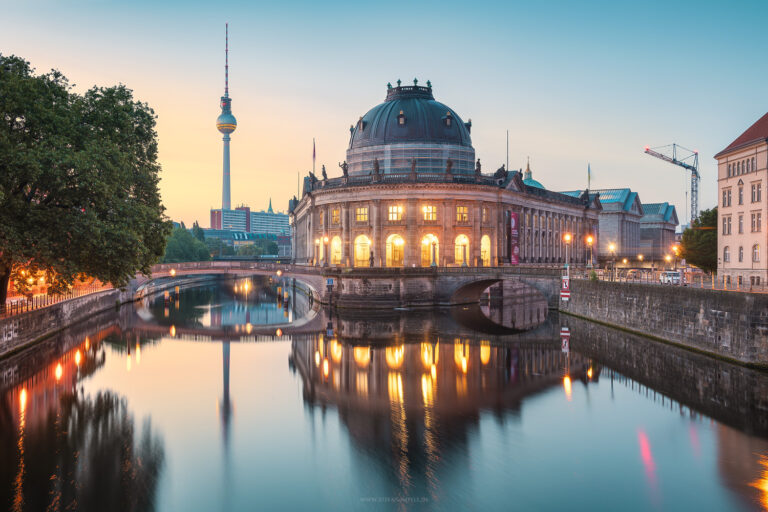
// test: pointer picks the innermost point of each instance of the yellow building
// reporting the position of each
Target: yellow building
(742, 168)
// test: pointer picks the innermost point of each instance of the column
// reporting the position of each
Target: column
(346, 254)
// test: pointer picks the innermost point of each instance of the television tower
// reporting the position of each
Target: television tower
(226, 123)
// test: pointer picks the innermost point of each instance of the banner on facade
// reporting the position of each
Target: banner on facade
(514, 239)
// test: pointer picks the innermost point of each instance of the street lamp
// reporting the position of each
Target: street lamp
(612, 249)
(668, 258)
(567, 239)
(434, 254)
(676, 251)
(317, 250)
(589, 243)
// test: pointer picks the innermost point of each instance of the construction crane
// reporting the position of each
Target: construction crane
(689, 161)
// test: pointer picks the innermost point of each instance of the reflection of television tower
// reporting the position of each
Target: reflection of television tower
(226, 124)
(226, 405)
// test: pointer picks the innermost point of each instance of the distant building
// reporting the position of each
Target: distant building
(742, 169)
(643, 234)
(243, 219)
(657, 230)
(241, 238)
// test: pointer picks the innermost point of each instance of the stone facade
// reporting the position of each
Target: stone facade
(726, 324)
(742, 178)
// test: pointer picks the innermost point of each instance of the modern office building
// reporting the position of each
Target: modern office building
(742, 169)
(243, 219)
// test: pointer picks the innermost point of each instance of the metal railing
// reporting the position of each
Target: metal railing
(17, 305)
(688, 279)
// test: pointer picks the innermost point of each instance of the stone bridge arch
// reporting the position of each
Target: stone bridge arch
(469, 289)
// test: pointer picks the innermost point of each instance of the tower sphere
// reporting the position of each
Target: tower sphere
(226, 123)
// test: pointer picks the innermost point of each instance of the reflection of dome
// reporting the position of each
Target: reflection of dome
(226, 123)
(410, 125)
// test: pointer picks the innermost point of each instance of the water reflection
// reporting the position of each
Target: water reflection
(68, 450)
(443, 409)
(411, 405)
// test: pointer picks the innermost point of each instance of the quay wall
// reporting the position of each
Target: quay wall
(731, 394)
(721, 323)
(22, 330)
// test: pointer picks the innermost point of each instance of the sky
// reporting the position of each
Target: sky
(573, 82)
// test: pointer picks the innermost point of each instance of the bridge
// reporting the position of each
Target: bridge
(382, 287)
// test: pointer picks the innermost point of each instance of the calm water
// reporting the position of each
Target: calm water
(216, 399)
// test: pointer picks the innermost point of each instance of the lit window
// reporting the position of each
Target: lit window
(485, 214)
(401, 118)
(448, 119)
(361, 214)
(335, 217)
(395, 213)
(430, 212)
(462, 214)
(756, 253)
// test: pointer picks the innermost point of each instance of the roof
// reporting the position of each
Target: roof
(664, 211)
(425, 120)
(624, 196)
(758, 132)
(533, 183)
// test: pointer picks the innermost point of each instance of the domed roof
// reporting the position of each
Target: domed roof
(528, 177)
(410, 114)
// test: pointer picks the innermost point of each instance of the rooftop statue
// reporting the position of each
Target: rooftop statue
(477, 167)
(325, 174)
(345, 168)
(501, 172)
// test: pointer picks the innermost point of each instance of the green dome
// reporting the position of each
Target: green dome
(528, 177)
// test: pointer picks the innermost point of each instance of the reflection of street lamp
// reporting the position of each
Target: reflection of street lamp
(589, 243)
(567, 239)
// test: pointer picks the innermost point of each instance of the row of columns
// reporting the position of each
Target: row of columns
(542, 241)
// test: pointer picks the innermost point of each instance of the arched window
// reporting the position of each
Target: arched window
(756, 252)
(427, 244)
(395, 251)
(461, 253)
(336, 251)
(748, 167)
(753, 163)
(362, 251)
(726, 254)
(741, 254)
(729, 169)
(485, 250)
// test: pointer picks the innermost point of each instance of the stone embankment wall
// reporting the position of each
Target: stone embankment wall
(726, 324)
(732, 394)
(19, 331)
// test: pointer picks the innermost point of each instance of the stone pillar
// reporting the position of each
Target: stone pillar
(379, 258)
(477, 233)
(447, 210)
(493, 213)
(412, 242)
(346, 254)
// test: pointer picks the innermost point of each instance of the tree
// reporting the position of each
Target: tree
(699, 245)
(182, 246)
(78, 182)
(198, 232)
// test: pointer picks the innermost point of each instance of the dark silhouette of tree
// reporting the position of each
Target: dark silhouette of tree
(78, 182)
(699, 244)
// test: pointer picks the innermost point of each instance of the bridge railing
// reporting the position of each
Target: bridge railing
(20, 304)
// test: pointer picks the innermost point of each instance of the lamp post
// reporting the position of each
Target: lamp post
(434, 254)
(590, 239)
(668, 259)
(640, 259)
(325, 252)
(676, 252)
(612, 249)
(567, 239)
(317, 251)
(464, 254)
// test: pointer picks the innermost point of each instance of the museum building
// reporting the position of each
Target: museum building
(412, 194)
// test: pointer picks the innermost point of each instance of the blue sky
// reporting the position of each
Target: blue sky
(574, 82)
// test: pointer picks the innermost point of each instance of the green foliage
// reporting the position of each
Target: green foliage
(592, 275)
(699, 245)
(218, 248)
(183, 246)
(78, 181)
(258, 248)
(198, 232)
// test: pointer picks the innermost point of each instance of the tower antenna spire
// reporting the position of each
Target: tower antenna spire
(226, 59)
